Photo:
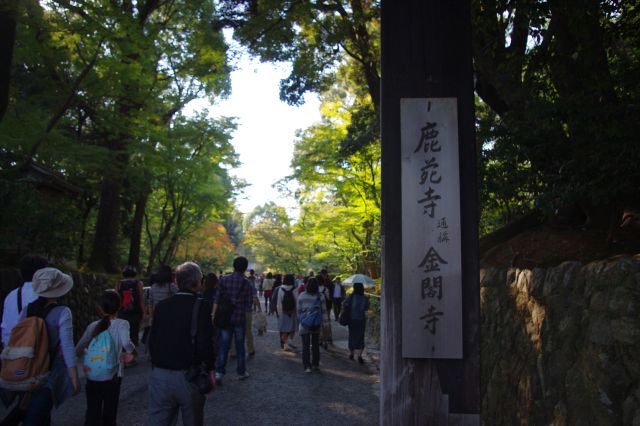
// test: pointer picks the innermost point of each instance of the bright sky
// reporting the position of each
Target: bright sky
(266, 128)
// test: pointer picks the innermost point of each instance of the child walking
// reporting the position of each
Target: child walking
(103, 395)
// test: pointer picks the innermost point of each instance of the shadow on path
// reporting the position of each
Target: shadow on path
(278, 391)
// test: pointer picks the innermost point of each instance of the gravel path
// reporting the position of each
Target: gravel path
(278, 392)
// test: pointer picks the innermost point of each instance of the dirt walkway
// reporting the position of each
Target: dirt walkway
(278, 392)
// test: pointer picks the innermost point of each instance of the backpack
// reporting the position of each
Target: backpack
(224, 311)
(129, 297)
(288, 301)
(100, 361)
(26, 360)
(311, 318)
(345, 314)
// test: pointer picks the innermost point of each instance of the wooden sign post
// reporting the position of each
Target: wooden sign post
(430, 299)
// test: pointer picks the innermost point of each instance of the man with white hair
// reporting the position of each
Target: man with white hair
(173, 353)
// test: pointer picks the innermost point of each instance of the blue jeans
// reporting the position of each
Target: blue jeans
(39, 408)
(221, 362)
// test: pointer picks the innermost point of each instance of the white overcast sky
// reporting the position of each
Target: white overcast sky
(266, 128)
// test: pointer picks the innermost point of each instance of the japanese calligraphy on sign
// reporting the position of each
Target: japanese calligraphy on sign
(431, 237)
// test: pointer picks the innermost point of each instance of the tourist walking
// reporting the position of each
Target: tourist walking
(49, 284)
(103, 393)
(180, 347)
(311, 308)
(209, 294)
(357, 304)
(248, 325)
(259, 280)
(286, 305)
(131, 301)
(20, 297)
(210, 284)
(273, 303)
(267, 288)
(162, 288)
(326, 335)
(235, 296)
(337, 294)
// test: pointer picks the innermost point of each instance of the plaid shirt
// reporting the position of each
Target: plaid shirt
(238, 289)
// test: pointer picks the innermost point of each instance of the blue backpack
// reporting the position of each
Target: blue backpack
(311, 318)
(101, 360)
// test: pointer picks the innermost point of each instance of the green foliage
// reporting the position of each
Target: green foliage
(96, 97)
(37, 220)
(191, 184)
(316, 37)
(508, 187)
(558, 79)
(273, 243)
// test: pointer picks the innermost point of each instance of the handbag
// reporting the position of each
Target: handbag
(198, 374)
(345, 314)
(222, 318)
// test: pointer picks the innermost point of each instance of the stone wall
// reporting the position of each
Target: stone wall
(82, 298)
(561, 346)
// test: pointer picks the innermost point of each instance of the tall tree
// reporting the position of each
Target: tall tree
(274, 244)
(146, 69)
(556, 72)
(314, 36)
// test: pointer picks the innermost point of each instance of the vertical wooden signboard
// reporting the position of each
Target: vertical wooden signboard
(430, 338)
(431, 255)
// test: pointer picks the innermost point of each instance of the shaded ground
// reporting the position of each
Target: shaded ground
(278, 392)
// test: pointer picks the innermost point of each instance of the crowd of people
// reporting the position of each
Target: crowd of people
(190, 325)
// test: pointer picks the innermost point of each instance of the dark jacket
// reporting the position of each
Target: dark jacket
(170, 337)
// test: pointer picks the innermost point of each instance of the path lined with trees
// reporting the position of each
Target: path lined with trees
(277, 392)
(95, 140)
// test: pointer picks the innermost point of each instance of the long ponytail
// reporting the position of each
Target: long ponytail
(109, 305)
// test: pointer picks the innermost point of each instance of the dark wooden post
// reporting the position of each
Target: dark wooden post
(426, 52)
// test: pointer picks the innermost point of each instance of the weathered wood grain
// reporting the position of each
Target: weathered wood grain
(426, 52)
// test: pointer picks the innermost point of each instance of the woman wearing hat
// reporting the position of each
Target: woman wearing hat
(49, 284)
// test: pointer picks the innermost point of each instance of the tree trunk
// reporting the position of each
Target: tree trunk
(104, 254)
(7, 40)
(155, 248)
(88, 206)
(136, 231)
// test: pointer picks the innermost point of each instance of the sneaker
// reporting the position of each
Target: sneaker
(252, 353)
(351, 356)
(360, 360)
(307, 370)
(292, 346)
(243, 376)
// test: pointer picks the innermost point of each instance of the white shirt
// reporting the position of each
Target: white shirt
(267, 284)
(337, 291)
(10, 314)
